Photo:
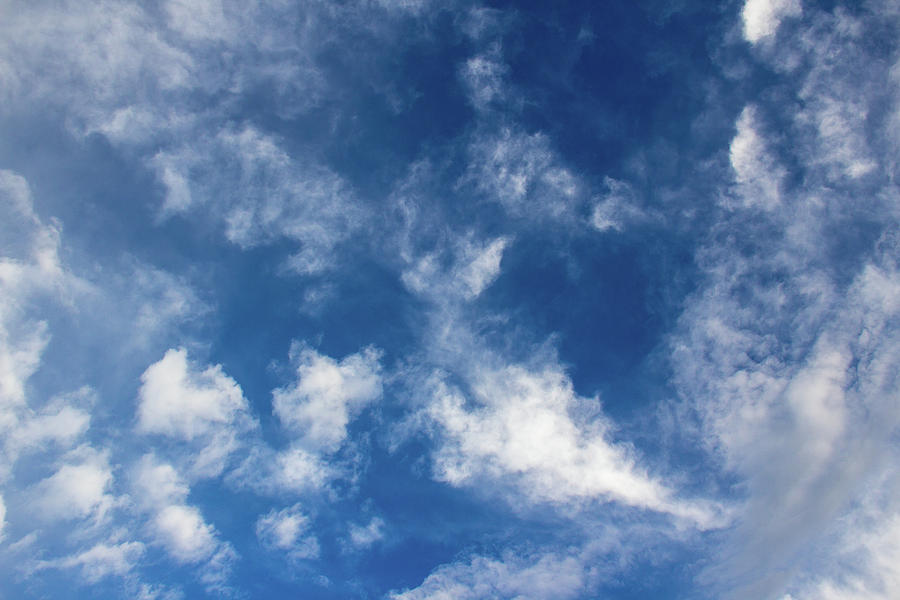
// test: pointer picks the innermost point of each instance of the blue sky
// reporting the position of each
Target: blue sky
(410, 300)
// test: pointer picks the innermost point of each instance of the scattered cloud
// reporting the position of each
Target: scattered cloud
(287, 530)
(762, 17)
(556, 576)
(327, 395)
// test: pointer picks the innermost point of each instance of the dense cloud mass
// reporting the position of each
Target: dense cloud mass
(417, 300)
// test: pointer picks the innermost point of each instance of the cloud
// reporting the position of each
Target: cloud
(2, 518)
(78, 489)
(29, 268)
(762, 17)
(179, 527)
(327, 395)
(179, 400)
(788, 348)
(485, 79)
(517, 425)
(757, 173)
(103, 560)
(475, 265)
(263, 195)
(548, 576)
(288, 530)
(523, 173)
(205, 407)
(363, 536)
(618, 208)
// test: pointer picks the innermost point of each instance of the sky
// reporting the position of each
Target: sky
(420, 300)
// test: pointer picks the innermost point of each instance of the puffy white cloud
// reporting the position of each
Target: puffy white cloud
(762, 17)
(184, 533)
(79, 488)
(327, 395)
(179, 400)
(205, 407)
(288, 530)
(177, 526)
(548, 576)
(62, 425)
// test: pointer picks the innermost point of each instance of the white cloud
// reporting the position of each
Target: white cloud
(103, 560)
(475, 266)
(184, 533)
(288, 530)
(29, 266)
(762, 17)
(78, 489)
(206, 407)
(758, 174)
(540, 577)
(177, 526)
(363, 536)
(264, 194)
(788, 352)
(327, 395)
(518, 426)
(179, 400)
(62, 425)
(523, 173)
(484, 76)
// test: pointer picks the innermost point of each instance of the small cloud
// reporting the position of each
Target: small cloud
(761, 18)
(618, 208)
(79, 488)
(105, 560)
(327, 395)
(287, 530)
(202, 406)
(364, 536)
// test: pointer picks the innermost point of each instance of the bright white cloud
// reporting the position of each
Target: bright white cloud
(180, 400)
(762, 17)
(327, 395)
(203, 406)
(184, 533)
(288, 530)
(177, 526)
(79, 488)
(518, 426)
(29, 266)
